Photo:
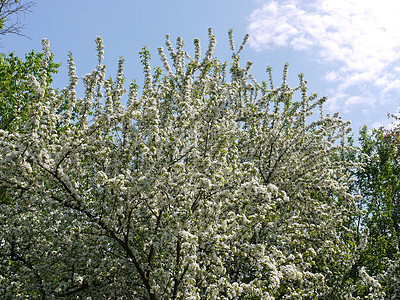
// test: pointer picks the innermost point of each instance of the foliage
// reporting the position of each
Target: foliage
(379, 185)
(204, 186)
(15, 92)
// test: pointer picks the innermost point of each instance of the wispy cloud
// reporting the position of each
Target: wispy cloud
(358, 39)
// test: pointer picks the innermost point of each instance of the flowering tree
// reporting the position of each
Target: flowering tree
(205, 185)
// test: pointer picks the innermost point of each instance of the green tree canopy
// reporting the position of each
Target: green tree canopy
(379, 185)
(15, 91)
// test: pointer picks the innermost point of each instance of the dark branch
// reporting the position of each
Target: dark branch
(10, 16)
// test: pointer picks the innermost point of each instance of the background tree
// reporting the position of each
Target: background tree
(15, 92)
(204, 186)
(379, 185)
(11, 12)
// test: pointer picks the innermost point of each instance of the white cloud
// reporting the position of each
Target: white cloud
(353, 100)
(360, 39)
(332, 76)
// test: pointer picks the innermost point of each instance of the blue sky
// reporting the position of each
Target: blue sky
(348, 50)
